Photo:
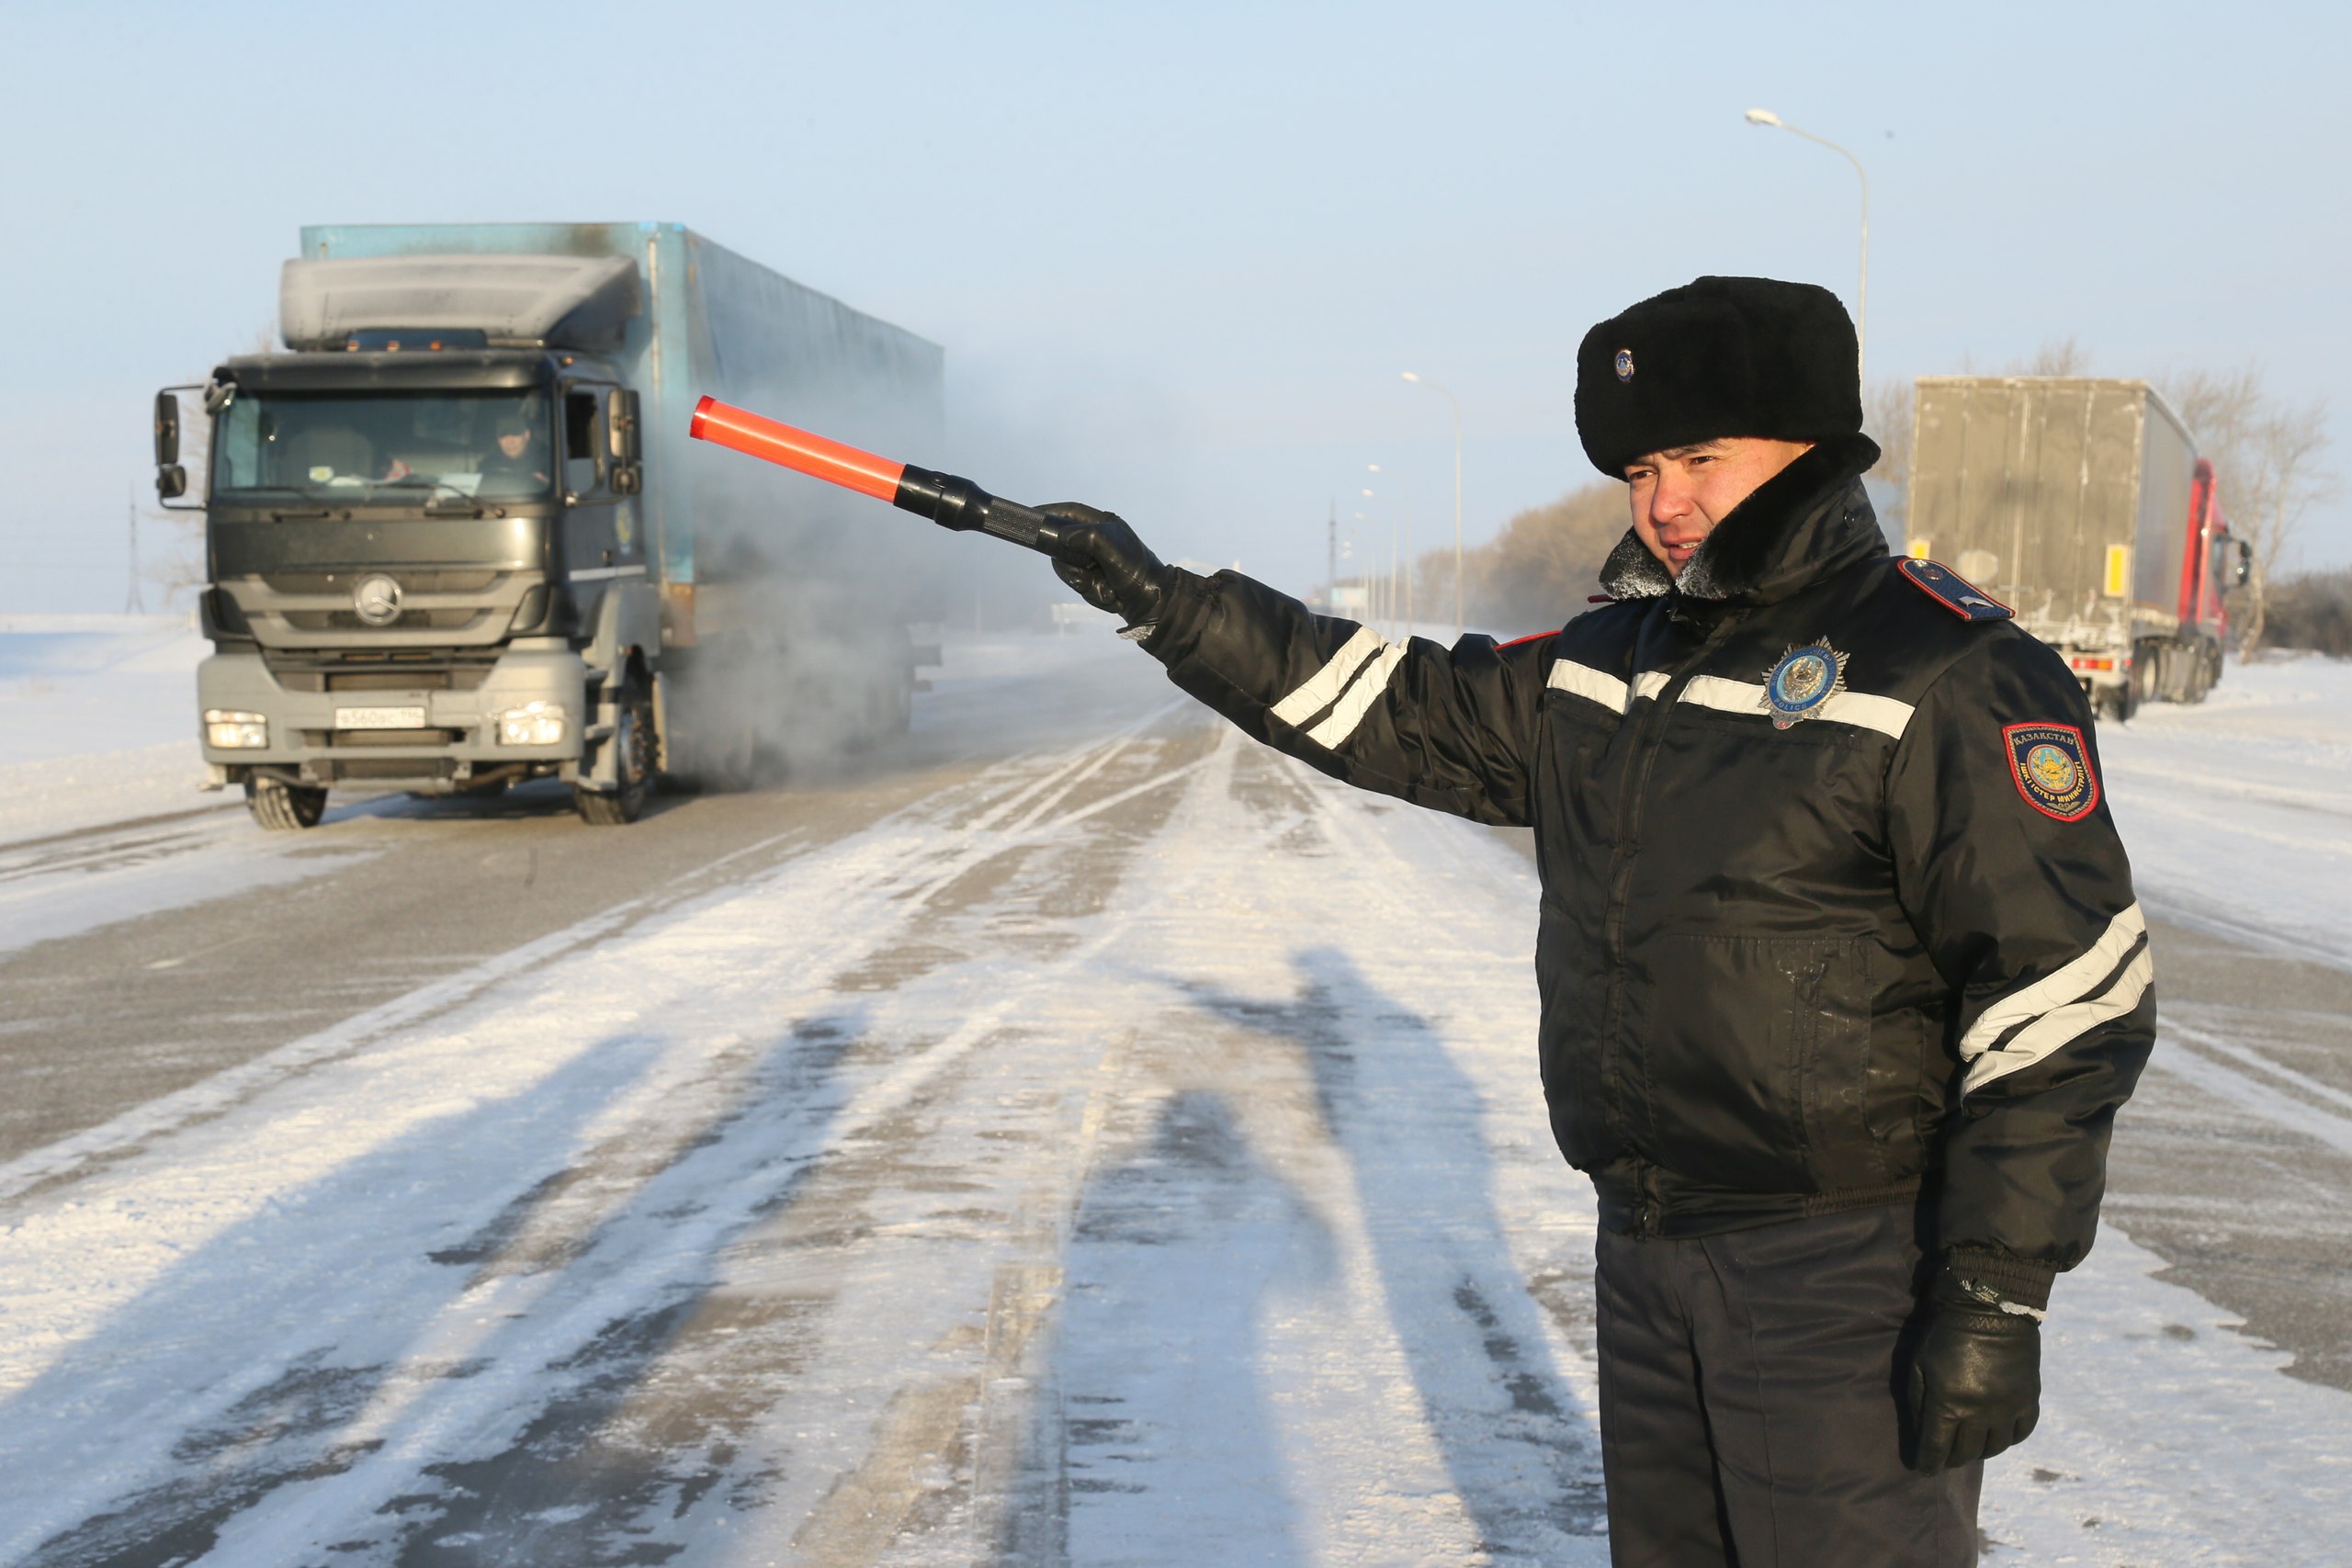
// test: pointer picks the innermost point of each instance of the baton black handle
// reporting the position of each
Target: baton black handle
(955, 502)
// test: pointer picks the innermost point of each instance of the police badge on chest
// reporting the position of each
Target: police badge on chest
(1802, 683)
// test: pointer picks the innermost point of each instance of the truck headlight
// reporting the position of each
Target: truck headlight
(533, 724)
(230, 729)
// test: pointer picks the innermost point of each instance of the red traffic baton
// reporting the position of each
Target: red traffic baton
(950, 502)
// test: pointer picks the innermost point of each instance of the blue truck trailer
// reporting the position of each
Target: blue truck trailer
(457, 537)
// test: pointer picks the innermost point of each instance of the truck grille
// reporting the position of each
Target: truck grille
(459, 619)
(370, 670)
(412, 580)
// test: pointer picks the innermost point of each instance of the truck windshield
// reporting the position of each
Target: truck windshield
(382, 446)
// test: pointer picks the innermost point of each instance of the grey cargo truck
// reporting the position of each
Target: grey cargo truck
(455, 536)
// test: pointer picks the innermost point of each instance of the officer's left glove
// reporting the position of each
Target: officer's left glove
(1976, 1377)
(1110, 567)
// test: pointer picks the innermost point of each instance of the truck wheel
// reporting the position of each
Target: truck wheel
(2206, 673)
(633, 734)
(282, 807)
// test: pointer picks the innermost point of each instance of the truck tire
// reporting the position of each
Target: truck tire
(282, 807)
(633, 735)
(2205, 674)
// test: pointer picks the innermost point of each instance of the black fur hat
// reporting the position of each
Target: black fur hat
(1720, 356)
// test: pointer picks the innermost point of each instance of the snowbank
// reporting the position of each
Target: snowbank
(2238, 812)
(100, 716)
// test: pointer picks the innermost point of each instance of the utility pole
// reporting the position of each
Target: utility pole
(133, 605)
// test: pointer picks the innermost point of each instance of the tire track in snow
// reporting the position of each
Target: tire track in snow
(2293, 1112)
(409, 1415)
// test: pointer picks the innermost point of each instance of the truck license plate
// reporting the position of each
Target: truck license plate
(379, 718)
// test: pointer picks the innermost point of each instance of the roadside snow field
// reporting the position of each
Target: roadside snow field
(1131, 1154)
(2238, 811)
(100, 716)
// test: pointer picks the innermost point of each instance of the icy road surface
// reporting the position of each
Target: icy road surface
(1082, 1139)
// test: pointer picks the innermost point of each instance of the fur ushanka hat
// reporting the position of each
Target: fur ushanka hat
(1721, 357)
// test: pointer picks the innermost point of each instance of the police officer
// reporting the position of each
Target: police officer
(1841, 974)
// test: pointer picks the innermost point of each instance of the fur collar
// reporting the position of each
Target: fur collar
(1803, 523)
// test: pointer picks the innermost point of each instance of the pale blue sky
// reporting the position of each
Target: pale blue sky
(1178, 254)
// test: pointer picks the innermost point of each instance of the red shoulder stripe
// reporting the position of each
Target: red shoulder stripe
(1531, 637)
(1951, 590)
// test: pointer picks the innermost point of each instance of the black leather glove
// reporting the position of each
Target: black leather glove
(1976, 1377)
(1110, 567)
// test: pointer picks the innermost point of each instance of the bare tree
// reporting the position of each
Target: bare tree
(2266, 460)
(2056, 356)
(1540, 568)
(2288, 445)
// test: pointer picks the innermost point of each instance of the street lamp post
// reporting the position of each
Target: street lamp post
(1862, 293)
(1371, 584)
(1399, 592)
(1432, 386)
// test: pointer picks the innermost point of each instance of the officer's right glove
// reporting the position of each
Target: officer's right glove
(1110, 567)
(1976, 1377)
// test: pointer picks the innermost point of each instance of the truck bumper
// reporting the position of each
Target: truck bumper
(373, 736)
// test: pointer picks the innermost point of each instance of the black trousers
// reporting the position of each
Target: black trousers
(1750, 1403)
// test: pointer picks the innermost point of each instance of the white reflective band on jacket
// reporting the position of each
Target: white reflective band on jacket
(1366, 652)
(1885, 715)
(2061, 1007)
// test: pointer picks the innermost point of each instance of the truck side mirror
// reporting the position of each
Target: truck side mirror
(2245, 561)
(167, 429)
(171, 479)
(626, 440)
(620, 420)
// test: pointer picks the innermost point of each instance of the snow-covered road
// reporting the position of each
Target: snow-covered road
(1072, 1149)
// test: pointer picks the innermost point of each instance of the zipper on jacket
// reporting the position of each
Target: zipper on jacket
(1648, 1208)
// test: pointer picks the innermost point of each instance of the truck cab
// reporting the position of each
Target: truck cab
(424, 571)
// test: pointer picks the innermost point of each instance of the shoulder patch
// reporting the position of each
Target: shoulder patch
(1951, 590)
(2053, 769)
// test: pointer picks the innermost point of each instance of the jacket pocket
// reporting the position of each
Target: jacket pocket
(1758, 1058)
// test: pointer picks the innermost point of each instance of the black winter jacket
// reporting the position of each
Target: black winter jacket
(1880, 941)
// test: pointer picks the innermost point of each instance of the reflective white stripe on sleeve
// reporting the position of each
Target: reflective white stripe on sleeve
(2063, 1025)
(1316, 692)
(1583, 681)
(1359, 699)
(2056, 989)
(1884, 715)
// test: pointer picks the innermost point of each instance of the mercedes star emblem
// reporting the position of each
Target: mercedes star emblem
(378, 599)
